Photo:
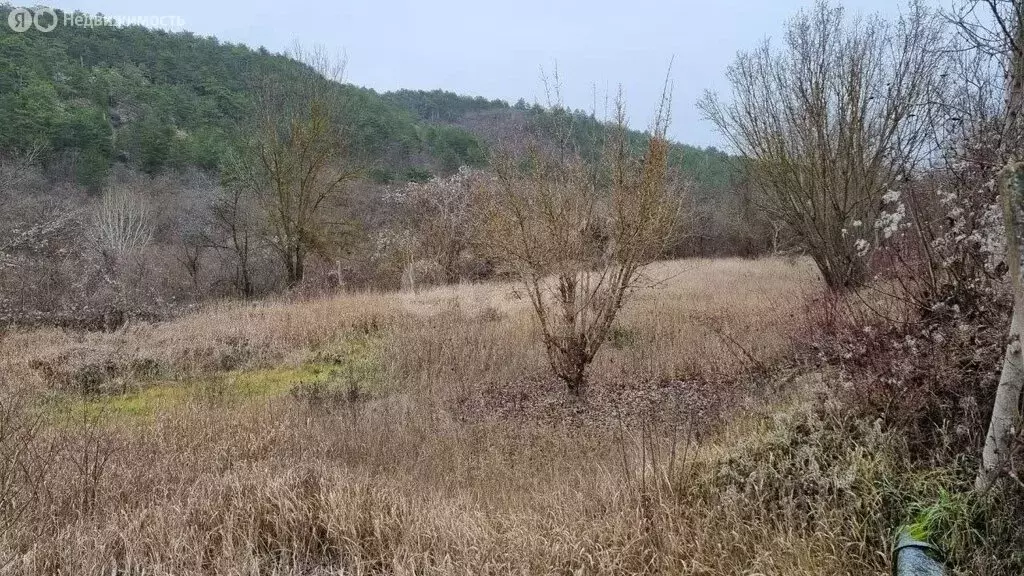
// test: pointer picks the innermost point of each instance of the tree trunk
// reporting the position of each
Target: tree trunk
(840, 278)
(577, 386)
(1006, 410)
(451, 266)
(243, 282)
(293, 264)
(410, 272)
(1005, 420)
(576, 378)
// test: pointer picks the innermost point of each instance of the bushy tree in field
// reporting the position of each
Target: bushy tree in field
(294, 159)
(832, 122)
(577, 231)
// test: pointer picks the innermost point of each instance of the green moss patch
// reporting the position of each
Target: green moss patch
(348, 364)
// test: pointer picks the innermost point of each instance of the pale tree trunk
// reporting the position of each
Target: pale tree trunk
(1005, 422)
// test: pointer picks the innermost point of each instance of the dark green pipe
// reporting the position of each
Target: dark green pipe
(912, 557)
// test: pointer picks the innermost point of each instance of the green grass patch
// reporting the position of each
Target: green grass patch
(351, 363)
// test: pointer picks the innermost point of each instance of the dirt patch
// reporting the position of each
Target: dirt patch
(610, 405)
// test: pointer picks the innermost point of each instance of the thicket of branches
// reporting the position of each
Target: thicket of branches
(890, 152)
(577, 231)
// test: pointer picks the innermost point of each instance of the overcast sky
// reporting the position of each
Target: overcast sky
(497, 49)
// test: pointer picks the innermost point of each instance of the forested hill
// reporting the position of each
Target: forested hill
(91, 97)
(710, 168)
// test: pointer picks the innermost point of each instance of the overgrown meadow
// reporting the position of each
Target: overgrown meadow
(404, 433)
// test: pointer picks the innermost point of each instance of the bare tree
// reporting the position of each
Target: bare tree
(578, 233)
(122, 221)
(190, 249)
(832, 122)
(295, 158)
(232, 217)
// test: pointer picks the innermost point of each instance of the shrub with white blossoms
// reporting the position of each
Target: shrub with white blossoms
(892, 215)
(434, 224)
(945, 246)
(891, 219)
(973, 228)
(990, 237)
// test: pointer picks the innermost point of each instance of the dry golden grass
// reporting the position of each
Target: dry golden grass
(399, 477)
(272, 489)
(682, 323)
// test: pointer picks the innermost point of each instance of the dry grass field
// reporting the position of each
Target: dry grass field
(420, 434)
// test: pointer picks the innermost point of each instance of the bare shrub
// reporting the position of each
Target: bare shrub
(577, 233)
(438, 214)
(122, 222)
(23, 456)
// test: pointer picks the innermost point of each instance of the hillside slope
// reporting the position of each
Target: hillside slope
(711, 169)
(157, 101)
(91, 97)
